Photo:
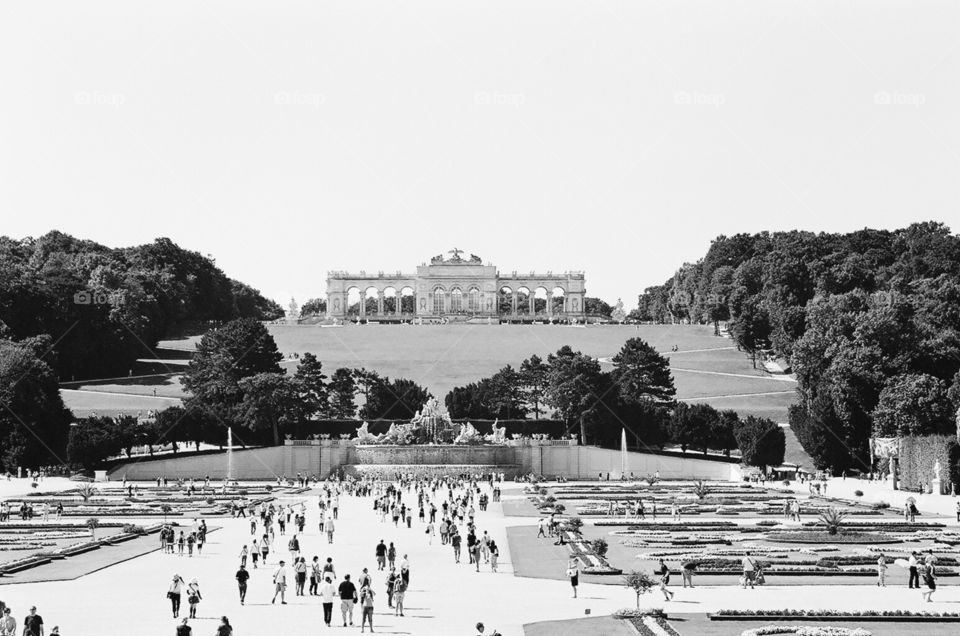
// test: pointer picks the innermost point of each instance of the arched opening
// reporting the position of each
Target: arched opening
(353, 301)
(390, 301)
(473, 300)
(407, 301)
(439, 306)
(540, 301)
(372, 301)
(456, 301)
(523, 301)
(558, 300)
(505, 301)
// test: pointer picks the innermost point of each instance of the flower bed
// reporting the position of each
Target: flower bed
(806, 630)
(808, 536)
(835, 615)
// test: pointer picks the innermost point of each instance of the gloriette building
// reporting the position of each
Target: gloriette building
(456, 286)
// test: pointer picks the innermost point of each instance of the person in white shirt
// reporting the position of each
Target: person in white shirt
(327, 595)
(280, 583)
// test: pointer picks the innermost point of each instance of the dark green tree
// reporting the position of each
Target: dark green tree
(761, 442)
(641, 373)
(342, 394)
(312, 387)
(270, 402)
(534, 375)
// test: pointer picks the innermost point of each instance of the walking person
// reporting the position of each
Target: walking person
(381, 554)
(265, 547)
(243, 556)
(242, 577)
(327, 594)
(573, 573)
(391, 583)
(33, 623)
(749, 571)
(224, 629)
(183, 629)
(280, 584)
(399, 593)
(348, 596)
(392, 555)
(914, 580)
(328, 527)
(8, 624)
(300, 571)
(930, 580)
(173, 593)
(494, 555)
(366, 607)
(686, 573)
(315, 576)
(405, 569)
(664, 573)
(881, 570)
(193, 597)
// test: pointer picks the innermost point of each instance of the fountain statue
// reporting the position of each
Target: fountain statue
(499, 434)
(364, 436)
(468, 435)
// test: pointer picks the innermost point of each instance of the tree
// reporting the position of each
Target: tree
(33, 420)
(394, 399)
(225, 356)
(761, 442)
(575, 388)
(641, 373)
(342, 389)
(721, 434)
(312, 387)
(691, 425)
(596, 307)
(270, 402)
(640, 583)
(313, 307)
(913, 404)
(470, 401)
(534, 375)
(505, 397)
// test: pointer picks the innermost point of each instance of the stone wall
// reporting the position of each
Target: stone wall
(407, 455)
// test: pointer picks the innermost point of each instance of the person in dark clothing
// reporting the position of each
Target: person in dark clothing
(242, 577)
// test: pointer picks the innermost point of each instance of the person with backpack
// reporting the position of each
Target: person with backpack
(749, 571)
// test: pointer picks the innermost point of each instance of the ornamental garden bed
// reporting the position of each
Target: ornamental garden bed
(878, 616)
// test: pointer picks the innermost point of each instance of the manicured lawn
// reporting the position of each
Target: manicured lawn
(595, 626)
(441, 357)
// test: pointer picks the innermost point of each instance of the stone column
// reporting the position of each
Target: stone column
(550, 304)
(379, 302)
(363, 303)
(399, 298)
(532, 300)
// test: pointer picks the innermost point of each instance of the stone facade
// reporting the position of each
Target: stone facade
(458, 286)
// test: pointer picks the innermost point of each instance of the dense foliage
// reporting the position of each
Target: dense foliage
(106, 307)
(869, 322)
(33, 419)
(636, 396)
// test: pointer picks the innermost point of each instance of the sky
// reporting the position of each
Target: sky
(286, 139)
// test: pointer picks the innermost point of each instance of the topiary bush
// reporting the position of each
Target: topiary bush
(599, 547)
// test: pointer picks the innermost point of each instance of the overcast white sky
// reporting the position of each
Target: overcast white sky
(289, 138)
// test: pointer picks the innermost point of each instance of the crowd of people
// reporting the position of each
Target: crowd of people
(444, 509)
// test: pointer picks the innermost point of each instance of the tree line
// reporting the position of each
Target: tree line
(869, 321)
(106, 307)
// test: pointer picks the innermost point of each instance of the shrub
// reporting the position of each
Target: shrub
(700, 490)
(86, 490)
(832, 519)
(132, 528)
(543, 491)
(574, 524)
(211, 500)
(559, 508)
(269, 488)
(550, 499)
(786, 482)
(651, 479)
(880, 505)
(858, 493)
(599, 547)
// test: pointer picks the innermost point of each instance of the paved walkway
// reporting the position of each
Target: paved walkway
(445, 598)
